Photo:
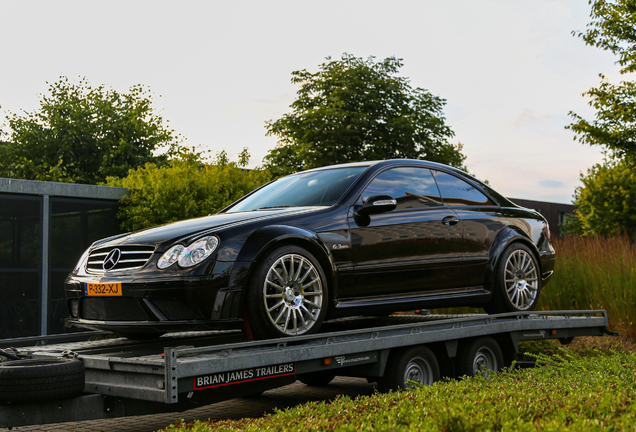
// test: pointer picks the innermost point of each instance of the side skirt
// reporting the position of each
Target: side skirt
(472, 296)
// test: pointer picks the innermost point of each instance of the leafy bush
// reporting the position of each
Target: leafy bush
(570, 393)
(606, 203)
(185, 189)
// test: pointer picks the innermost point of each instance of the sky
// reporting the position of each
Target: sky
(510, 70)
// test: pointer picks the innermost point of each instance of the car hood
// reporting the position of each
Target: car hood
(176, 230)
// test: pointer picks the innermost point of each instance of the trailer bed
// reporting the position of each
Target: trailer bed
(178, 372)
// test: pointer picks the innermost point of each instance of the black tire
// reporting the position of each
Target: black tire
(302, 304)
(317, 379)
(478, 356)
(24, 381)
(516, 290)
(417, 364)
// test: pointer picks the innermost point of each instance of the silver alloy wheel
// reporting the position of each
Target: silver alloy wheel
(484, 361)
(418, 370)
(521, 279)
(292, 293)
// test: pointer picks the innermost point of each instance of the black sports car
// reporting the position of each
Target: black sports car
(367, 238)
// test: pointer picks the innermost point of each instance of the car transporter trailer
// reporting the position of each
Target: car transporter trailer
(178, 372)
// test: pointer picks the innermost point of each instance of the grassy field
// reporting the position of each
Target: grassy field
(595, 273)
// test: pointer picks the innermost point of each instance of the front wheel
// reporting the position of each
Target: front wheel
(517, 284)
(287, 295)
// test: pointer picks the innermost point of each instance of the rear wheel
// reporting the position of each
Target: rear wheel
(416, 364)
(517, 281)
(287, 295)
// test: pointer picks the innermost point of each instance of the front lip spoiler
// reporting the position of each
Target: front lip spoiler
(151, 327)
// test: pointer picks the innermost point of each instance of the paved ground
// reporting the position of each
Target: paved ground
(283, 397)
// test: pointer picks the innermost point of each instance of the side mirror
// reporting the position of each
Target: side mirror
(377, 204)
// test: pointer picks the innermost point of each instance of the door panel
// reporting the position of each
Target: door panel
(406, 251)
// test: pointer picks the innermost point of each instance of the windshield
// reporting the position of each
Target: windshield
(317, 188)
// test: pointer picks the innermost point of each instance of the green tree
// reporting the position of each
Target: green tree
(606, 202)
(354, 110)
(186, 188)
(613, 28)
(83, 134)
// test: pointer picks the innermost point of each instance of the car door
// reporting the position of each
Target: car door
(412, 249)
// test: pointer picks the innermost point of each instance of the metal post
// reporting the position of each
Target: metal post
(46, 219)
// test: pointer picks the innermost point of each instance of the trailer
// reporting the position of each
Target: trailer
(178, 372)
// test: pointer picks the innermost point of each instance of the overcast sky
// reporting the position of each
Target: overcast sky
(510, 70)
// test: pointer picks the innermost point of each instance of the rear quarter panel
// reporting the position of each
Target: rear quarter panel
(487, 233)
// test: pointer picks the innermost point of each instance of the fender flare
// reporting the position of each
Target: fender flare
(261, 241)
(502, 240)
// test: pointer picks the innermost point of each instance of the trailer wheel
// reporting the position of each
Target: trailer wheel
(479, 356)
(317, 379)
(417, 364)
(40, 380)
(287, 295)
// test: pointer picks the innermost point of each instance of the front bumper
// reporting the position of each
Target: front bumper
(158, 303)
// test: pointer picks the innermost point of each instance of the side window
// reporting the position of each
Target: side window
(457, 192)
(411, 187)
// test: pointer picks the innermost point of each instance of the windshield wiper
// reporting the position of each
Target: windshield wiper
(278, 206)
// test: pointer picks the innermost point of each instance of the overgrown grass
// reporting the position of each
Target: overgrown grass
(593, 392)
(595, 273)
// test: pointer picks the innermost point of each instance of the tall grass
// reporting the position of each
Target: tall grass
(595, 273)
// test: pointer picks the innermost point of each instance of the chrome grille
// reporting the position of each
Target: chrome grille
(130, 258)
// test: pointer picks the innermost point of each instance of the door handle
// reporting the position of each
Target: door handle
(450, 220)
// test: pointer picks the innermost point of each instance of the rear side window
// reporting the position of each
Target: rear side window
(411, 187)
(457, 192)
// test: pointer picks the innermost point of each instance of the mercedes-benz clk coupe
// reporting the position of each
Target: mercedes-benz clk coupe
(367, 238)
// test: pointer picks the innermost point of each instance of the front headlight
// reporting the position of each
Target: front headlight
(170, 257)
(191, 255)
(198, 251)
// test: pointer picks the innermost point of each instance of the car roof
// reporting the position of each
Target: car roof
(375, 162)
(347, 165)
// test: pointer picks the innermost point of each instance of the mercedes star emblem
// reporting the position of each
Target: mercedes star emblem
(111, 259)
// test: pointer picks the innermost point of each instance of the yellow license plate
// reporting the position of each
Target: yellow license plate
(103, 289)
